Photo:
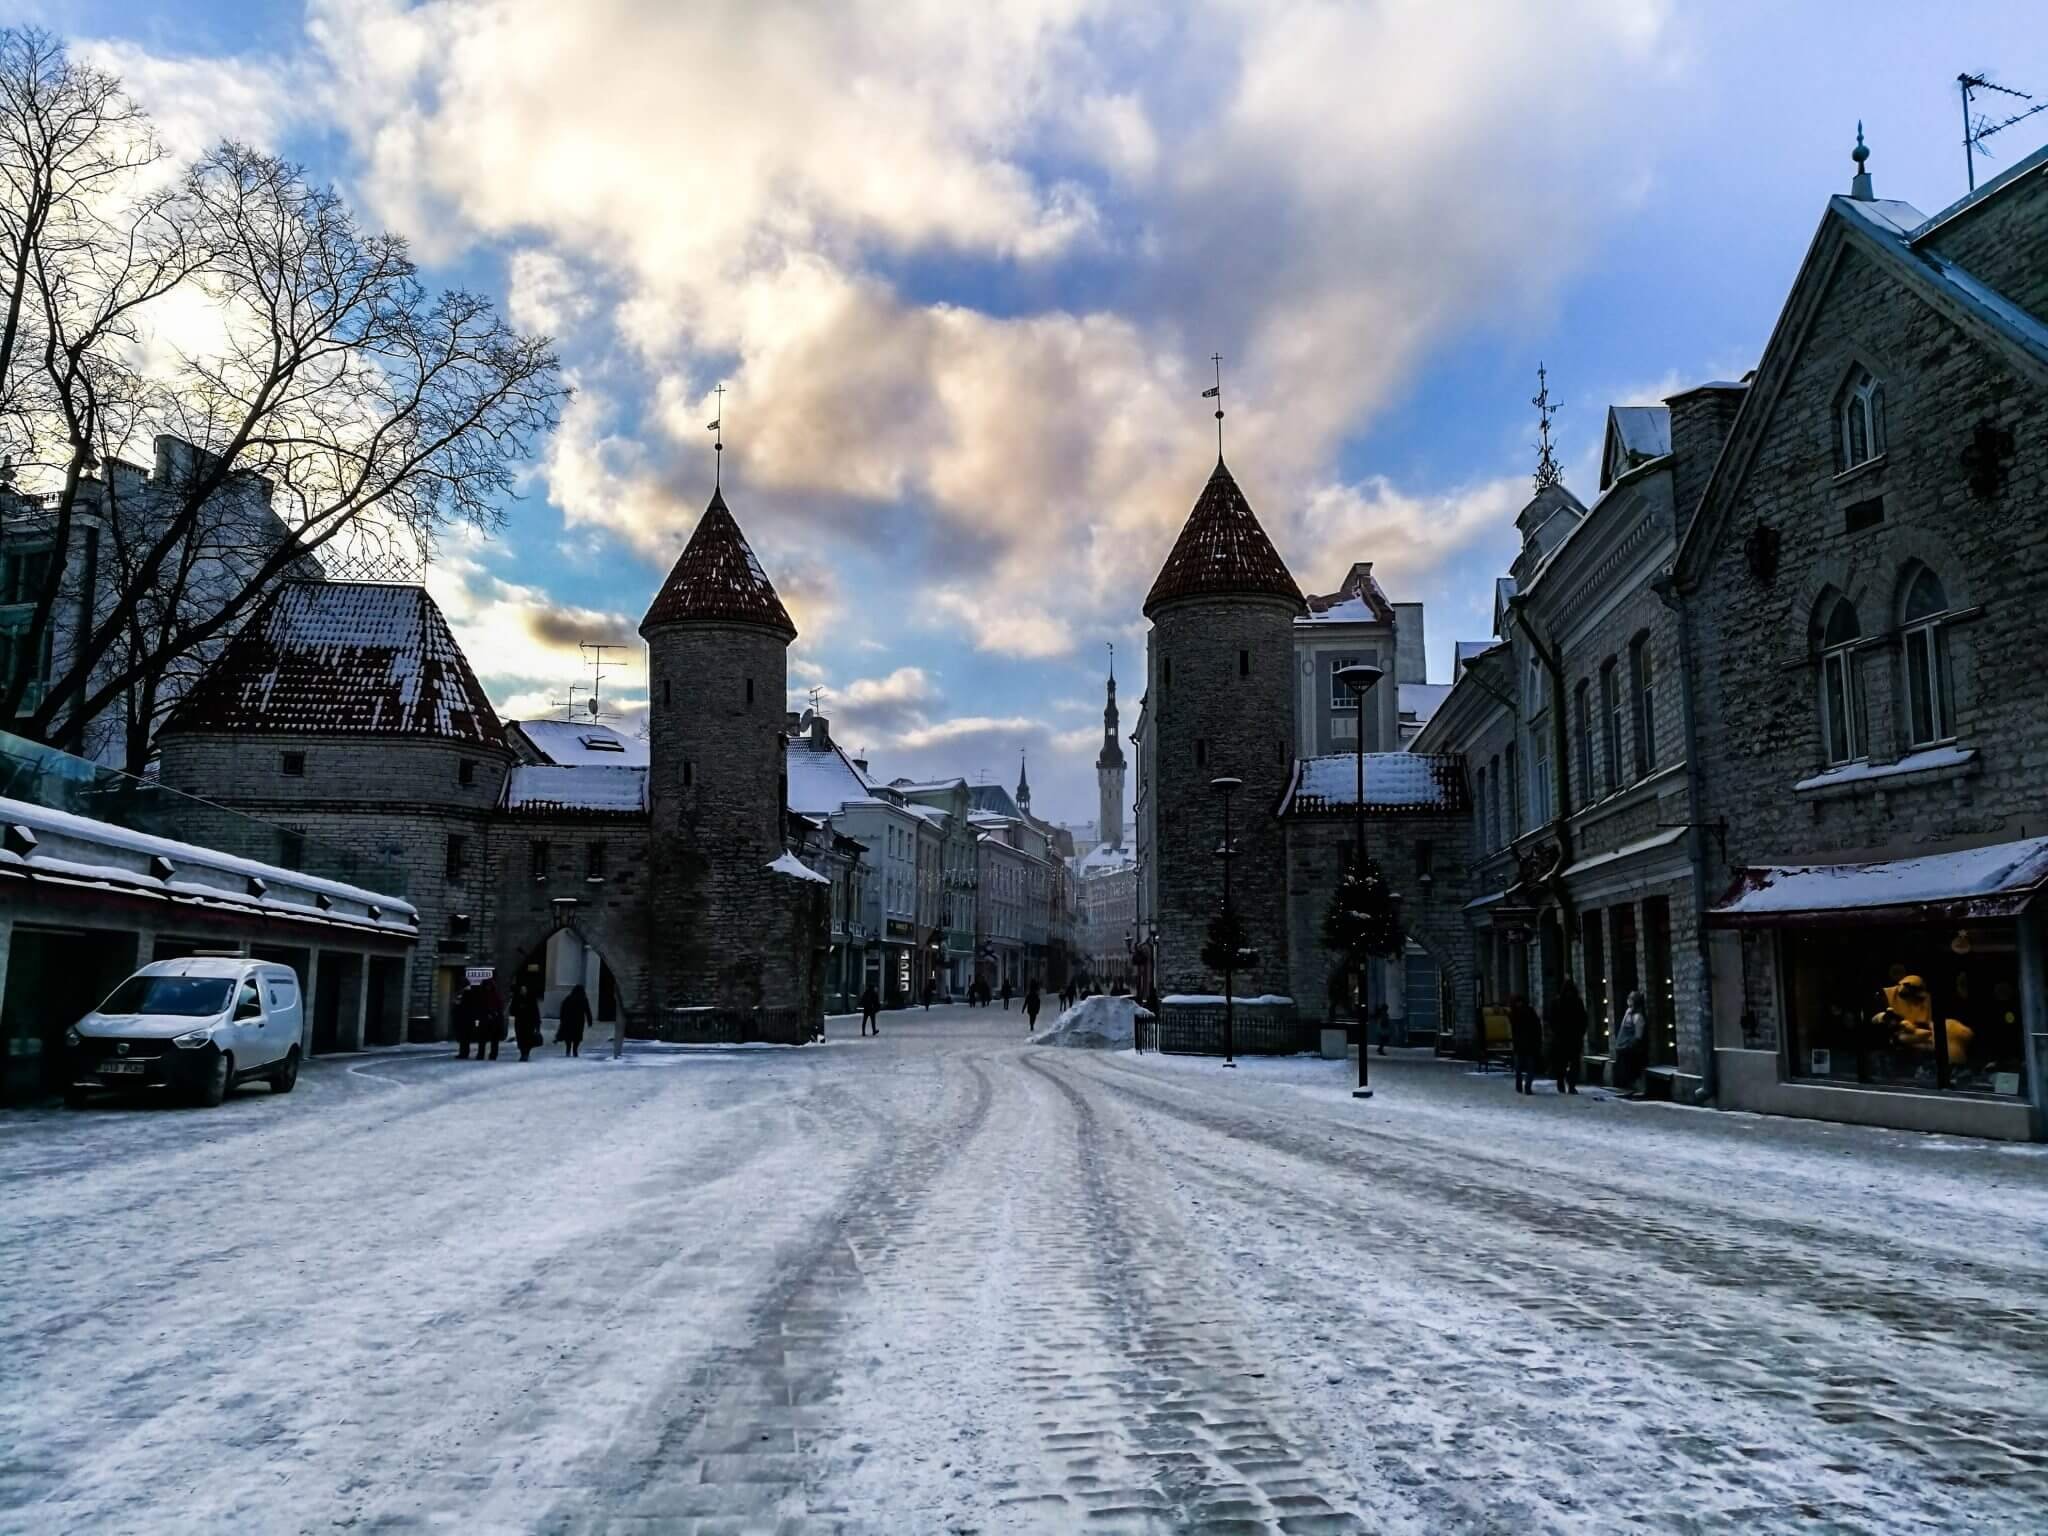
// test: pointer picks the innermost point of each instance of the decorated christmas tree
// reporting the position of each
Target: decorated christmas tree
(1363, 921)
(1225, 949)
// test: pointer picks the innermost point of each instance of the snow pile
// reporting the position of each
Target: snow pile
(789, 864)
(1095, 1024)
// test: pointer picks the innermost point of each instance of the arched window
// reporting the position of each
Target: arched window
(1841, 684)
(1929, 713)
(1861, 418)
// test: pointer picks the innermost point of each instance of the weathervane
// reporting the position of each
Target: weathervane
(1215, 392)
(716, 426)
(1547, 471)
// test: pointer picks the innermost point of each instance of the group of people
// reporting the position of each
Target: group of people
(1563, 1022)
(480, 1021)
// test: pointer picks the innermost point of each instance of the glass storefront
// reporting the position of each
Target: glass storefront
(1932, 1007)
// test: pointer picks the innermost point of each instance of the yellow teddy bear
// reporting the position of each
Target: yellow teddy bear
(1909, 1014)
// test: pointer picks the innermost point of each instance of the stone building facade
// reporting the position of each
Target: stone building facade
(1863, 584)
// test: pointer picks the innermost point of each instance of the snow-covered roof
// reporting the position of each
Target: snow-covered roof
(576, 743)
(1358, 600)
(717, 578)
(1994, 881)
(1418, 701)
(553, 787)
(1103, 859)
(1636, 434)
(821, 777)
(789, 864)
(1394, 781)
(343, 658)
(1222, 551)
(78, 850)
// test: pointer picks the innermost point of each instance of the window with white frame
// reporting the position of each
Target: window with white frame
(1342, 695)
(1615, 717)
(1930, 714)
(1514, 827)
(1582, 724)
(1861, 418)
(1841, 684)
(1539, 774)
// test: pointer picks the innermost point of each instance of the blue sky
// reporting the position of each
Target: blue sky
(962, 282)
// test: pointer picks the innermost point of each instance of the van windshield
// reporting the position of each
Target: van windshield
(192, 997)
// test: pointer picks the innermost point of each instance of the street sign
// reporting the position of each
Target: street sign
(479, 973)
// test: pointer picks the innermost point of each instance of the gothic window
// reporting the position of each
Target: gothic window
(1615, 718)
(1930, 715)
(1841, 683)
(1582, 724)
(1861, 418)
(1642, 683)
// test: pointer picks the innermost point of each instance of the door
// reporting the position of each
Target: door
(247, 1032)
(282, 1000)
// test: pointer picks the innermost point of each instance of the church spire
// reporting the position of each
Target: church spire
(1023, 785)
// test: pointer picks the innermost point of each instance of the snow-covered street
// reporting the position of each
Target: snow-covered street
(943, 1281)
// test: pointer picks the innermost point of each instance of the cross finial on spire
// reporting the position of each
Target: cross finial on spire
(1859, 184)
(716, 426)
(1112, 660)
(1215, 392)
(1548, 471)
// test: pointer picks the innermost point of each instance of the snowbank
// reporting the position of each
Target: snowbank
(1095, 1024)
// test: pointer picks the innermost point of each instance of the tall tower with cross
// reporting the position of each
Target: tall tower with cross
(1109, 770)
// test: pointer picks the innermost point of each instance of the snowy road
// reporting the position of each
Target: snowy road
(944, 1281)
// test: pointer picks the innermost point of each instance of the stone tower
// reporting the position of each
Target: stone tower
(1220, 679)
(717, 673)
(1109, 774)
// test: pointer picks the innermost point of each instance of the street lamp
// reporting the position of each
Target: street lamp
(1226, 787)
(1360, 677)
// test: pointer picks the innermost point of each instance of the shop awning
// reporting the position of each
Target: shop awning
(1997, 881)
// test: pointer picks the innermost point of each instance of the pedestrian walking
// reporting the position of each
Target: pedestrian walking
(490, 1019)
(870, 1011)
(1032, 1003)
(465, 1021)
(929, 989)
(1632, 1045)
(574, 1020)
(1565, 1013)
(526, 1032)
(1525, 1035)
(1006, 994)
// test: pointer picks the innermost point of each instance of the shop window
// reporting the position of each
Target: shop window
(1841, 685)
(1931, 1007)
(1593, 960)
(1861, 419)
(1929, 713)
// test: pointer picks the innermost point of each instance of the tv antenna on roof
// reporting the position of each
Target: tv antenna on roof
(568, 706)
(593, 657)
(1977, 130)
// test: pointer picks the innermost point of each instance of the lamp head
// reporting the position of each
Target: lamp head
(1226, 785)
(1360, 676)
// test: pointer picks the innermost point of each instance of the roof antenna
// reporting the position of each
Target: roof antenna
(716, 426)
(1548, 472)
(1976, 131)
(593, 657)
(1215, 392)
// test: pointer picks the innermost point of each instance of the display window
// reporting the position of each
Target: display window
(1935, 1008)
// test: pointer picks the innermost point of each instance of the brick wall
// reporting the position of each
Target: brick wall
(1214, 718)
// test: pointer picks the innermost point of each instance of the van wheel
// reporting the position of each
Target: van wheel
(286, 1077)
(215, 1088)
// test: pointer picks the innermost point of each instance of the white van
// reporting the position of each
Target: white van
(195, 1027)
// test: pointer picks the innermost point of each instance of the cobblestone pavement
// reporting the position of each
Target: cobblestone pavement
(944, 1281)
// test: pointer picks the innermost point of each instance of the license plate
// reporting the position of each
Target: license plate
(134, 1067)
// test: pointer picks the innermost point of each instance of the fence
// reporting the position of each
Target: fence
(1258, 1029)
(729, 1026)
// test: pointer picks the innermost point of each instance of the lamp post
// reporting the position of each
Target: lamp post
(1360, 677)
(1226, 787)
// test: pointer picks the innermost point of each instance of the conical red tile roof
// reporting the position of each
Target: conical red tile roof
(1222, 551)
(718, 578)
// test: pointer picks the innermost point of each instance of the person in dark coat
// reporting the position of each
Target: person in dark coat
(870, 1010)
(526, 1030)
(1032, 1003)
(489, 1019)
(1525, 1034)
(465, 1021)
(1006, 994)
(574, 1020)
(930, 987)
(1565, 1013)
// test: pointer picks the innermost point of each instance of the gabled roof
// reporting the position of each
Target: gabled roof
(1222, 551)
(821, 777)
(1359, 600)
(583, 743)
(717, 578)
(1416, 782)
(343, 658)
(1892, 233)
(1636, 434)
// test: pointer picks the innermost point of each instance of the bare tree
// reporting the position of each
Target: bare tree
(329, 395)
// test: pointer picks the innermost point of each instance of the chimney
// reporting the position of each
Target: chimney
(861, 765)
(821, 733)
(1700, 420)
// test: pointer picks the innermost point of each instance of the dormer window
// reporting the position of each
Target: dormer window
(595, 743)
(1861, 419)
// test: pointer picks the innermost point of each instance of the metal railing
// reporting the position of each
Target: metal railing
(1258, 1029)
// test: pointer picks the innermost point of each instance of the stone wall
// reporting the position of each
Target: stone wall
(2000, 243)
(1758, 675)
(610, 910)
(1222, 705)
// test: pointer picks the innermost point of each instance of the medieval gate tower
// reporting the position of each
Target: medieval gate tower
(1220, 674)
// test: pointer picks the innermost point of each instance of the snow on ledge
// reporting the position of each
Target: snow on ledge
(1932, 760)
(1994, 877)
(789, 864)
